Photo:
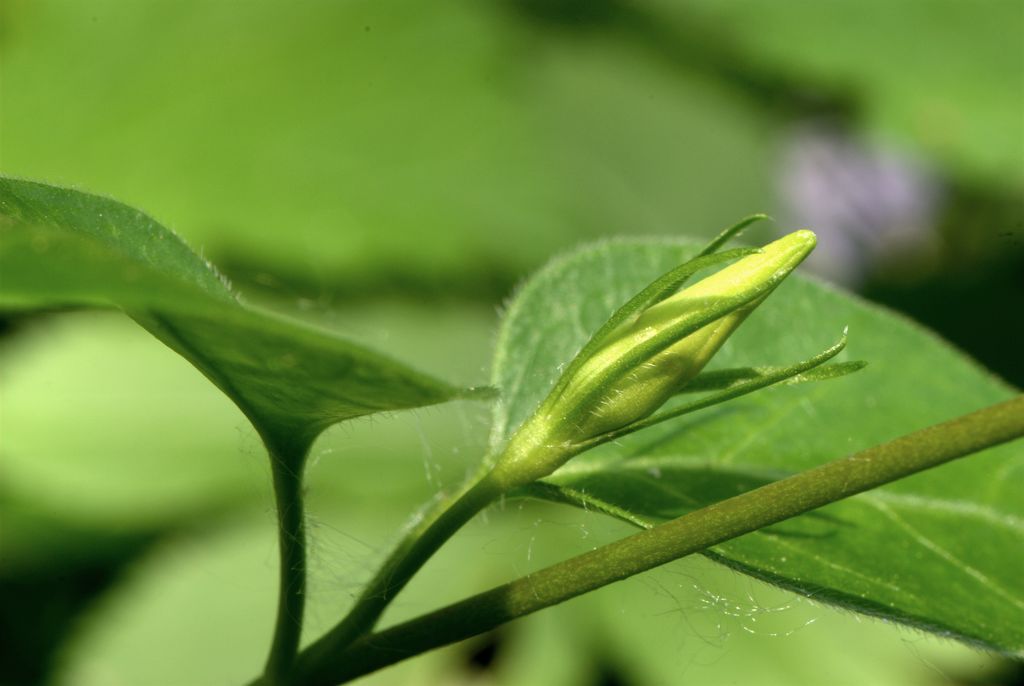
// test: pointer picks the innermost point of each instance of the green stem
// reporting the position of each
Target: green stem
(689, 534)
(287, 476)
(418, 545)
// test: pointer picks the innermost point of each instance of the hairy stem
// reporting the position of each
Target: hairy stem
(689, 534)
(418, 545)
(287, 476)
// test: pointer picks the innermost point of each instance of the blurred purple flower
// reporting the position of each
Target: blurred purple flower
(866, 204)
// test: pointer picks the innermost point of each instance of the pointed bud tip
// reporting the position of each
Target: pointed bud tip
(787, 252)
(805, 235)
(798, 241)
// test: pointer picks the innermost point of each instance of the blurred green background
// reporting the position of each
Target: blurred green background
(391, 170)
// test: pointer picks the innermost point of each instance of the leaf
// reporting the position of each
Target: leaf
(63, 247)
(457, 120)
(121, 462)
(956, 93)
(937, 550)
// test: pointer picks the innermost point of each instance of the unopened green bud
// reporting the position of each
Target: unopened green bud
(636, 369)
(646, 387)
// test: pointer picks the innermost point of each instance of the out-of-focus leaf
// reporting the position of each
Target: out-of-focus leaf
(89, 372)
(325, 139)
(144, 440)
(937, 550)
(943, 76)
(291, 380)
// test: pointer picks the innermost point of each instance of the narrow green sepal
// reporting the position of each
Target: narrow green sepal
(737, 383)
(725, 379)
(732, 232)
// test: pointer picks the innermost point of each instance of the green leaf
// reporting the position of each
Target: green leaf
(936, 550)
(956, 93)
(63, 247)
(121, 462)
(516, 130)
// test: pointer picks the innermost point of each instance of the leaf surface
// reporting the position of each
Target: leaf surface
(554, 145)
(63, 247)
(859, 42)
(940, 550)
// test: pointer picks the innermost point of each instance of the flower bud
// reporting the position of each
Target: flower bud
(646, 387)
(636, 369)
